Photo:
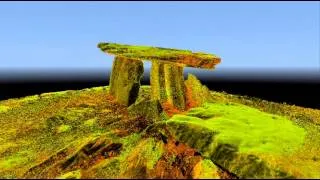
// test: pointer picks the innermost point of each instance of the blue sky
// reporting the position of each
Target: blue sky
(244, 34)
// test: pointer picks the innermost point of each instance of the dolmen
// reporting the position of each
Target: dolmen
(166, 75)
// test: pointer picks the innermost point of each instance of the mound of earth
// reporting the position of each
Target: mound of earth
(87, 134)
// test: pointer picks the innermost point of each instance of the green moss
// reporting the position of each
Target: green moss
(238, 137)
(25, 141)
(150, 110)
(116, 166)
(109, 168)
(125, 80)
(64, 128)
(129, 143)
(71, 175)
(180, 57)
(157, 82)
(197, 94)
(99, 89)
(90, 122)
(152, 151)
(29, 99)
(69, 116)
(208, 170)
(136, 152)
(4, 108)
(55, 94)
(15, 160)
(248, 128)
(148, 50)
(141, 158)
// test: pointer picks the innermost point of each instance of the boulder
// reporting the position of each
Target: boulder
(241, 140)
(196, 93)
(149, 109)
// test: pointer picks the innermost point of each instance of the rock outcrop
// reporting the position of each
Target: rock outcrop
(151, 110)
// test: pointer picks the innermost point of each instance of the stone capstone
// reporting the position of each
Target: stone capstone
(164, 55)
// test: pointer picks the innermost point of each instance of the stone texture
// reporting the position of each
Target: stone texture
(157, 82)
(164, 55)
(227, 156)
(167, 84)
(125, 79)
(196, 93)
(151, 110)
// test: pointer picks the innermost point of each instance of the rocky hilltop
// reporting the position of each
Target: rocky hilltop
(174, 128)
(88, 134)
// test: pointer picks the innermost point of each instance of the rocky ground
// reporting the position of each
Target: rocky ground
(87, 134)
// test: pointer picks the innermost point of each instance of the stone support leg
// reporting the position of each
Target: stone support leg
(167, 84)
(125, 80)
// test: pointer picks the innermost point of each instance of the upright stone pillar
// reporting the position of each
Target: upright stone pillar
(167, 84)
(157, 82)
(125, 79)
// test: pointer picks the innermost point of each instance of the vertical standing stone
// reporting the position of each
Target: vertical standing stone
(125, 79)
(167, 84)
(174, 84)
(157, 81)
(196, 93)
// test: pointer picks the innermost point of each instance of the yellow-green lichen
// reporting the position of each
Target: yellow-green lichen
(90, 122)
(167, 55)
(71, 175)
(4, 108)
(64, 128)
(236, 131)
(205, 169)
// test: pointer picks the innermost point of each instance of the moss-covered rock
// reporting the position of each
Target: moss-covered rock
(157, 82)
(205, 169)
(125, 80)
(151, 110)
(238, 138)
(167, 84)
(164, 55)
(196, 93)
(142, 159)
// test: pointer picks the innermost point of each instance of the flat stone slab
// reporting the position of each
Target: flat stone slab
(166, 55)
